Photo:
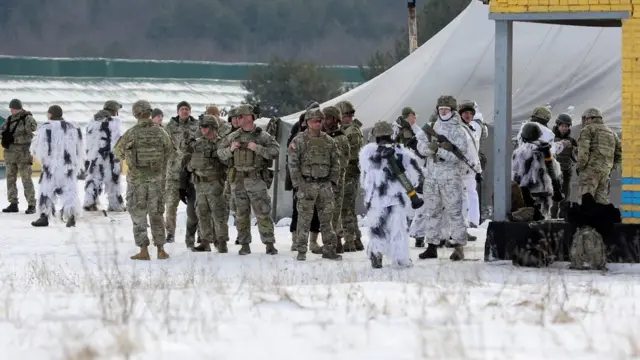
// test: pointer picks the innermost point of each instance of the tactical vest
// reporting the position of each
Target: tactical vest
(243, 158)
(316, 159)
(148, 150)
(205, 160)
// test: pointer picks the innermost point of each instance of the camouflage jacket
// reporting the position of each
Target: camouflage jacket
(343, 148)
(23, 125)
(402, 132)
(127, 143)
(356, 142)
(599, 148)
(314, 159)
(204, 160)
(569, 154)
(243, 158)
(184, 134)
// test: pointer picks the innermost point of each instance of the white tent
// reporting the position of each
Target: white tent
(559, 66)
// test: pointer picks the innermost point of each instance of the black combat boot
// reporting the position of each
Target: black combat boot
(458, 253)
(72, 221)
(339, 249)
(30, 210)
(471, 237)
(302, 256)
(419, 242)
(90, 208)
(202, 247)
(329, 252)
(430, 253)
(43, 221)
(12, 208)
(222, 247)
(245, 249)
(170, 238)
(271, 250)
(359, 244)
(376, 260)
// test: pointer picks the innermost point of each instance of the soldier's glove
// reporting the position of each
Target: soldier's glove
(184, 194)
(446, 145)
(478, 177)
(433, 146)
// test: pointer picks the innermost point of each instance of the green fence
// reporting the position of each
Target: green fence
(109, 68)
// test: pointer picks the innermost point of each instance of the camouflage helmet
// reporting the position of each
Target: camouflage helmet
(564, 119)
(245, 109)
(140, 108)
(448, 101)
(209, 121)
(592, 113)
(541, 114)
(345, 107)
(314, 113)
(467, 106)
(112, 105)
(212, 110)
(332, 111)
(531, 132)
(382, 128)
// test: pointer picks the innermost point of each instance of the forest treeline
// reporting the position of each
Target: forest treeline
(323, 31)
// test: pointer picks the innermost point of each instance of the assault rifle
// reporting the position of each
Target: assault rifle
(455, 150)
(396, 170)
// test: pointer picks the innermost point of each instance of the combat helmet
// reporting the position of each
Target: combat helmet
(209, 121)
(333, 111)
(314, 113)
(381, 128)
(245, 109)
(141, 108)
(467, 106)
(447, 101)
(531, 132)
(541, 114)
(564, 118)
(592, 113)
(346, 107)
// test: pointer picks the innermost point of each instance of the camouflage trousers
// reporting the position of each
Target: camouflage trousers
(595, 183)
(588, 247)
(250, 193)
(172, 196)
(19, 162)
(558, 208)
(229, 198)
(338, 196)
(351, 189)
(320, 196)
(146, 199)
(443, 208)
(213, 213)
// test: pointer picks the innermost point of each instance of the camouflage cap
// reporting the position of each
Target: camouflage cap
(382, 128)
(112, 105)
(332, 111)
(244, 109)
(141, 107)
(467, 106)
(407, 111)
(592, 113)
(541, 113)
(447, 101)
(345, 107)
(314, 113)
(15, 104)
(209, 121)
(212, 110)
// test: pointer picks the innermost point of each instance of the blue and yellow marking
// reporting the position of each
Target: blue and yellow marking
(630, 200)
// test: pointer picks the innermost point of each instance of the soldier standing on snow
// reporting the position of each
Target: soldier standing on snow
(471, 201)
(59, 148)
(599, 151)
(102, 133)
(567, 158)
(146, 147)
(443, 188)
(245, 151)
(351, 231)
(314, 163)
(17, 133)
(208, 174)
(184, 130)
(385, 196)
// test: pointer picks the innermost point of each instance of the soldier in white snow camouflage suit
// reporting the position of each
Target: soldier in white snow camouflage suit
(443, 189)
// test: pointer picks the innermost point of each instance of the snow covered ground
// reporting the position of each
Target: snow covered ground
(74, 294)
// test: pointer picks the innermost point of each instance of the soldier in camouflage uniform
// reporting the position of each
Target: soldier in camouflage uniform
(599, 151)
(350, 229)
(567, 158)
(146, 147)
(314, 163)
(246, 150)
(331, 125)
(17, 133)
(184, 130)
(208, 176)
(234, 120)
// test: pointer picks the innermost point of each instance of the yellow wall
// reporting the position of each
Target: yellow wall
(630, 81)
(521, 6)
